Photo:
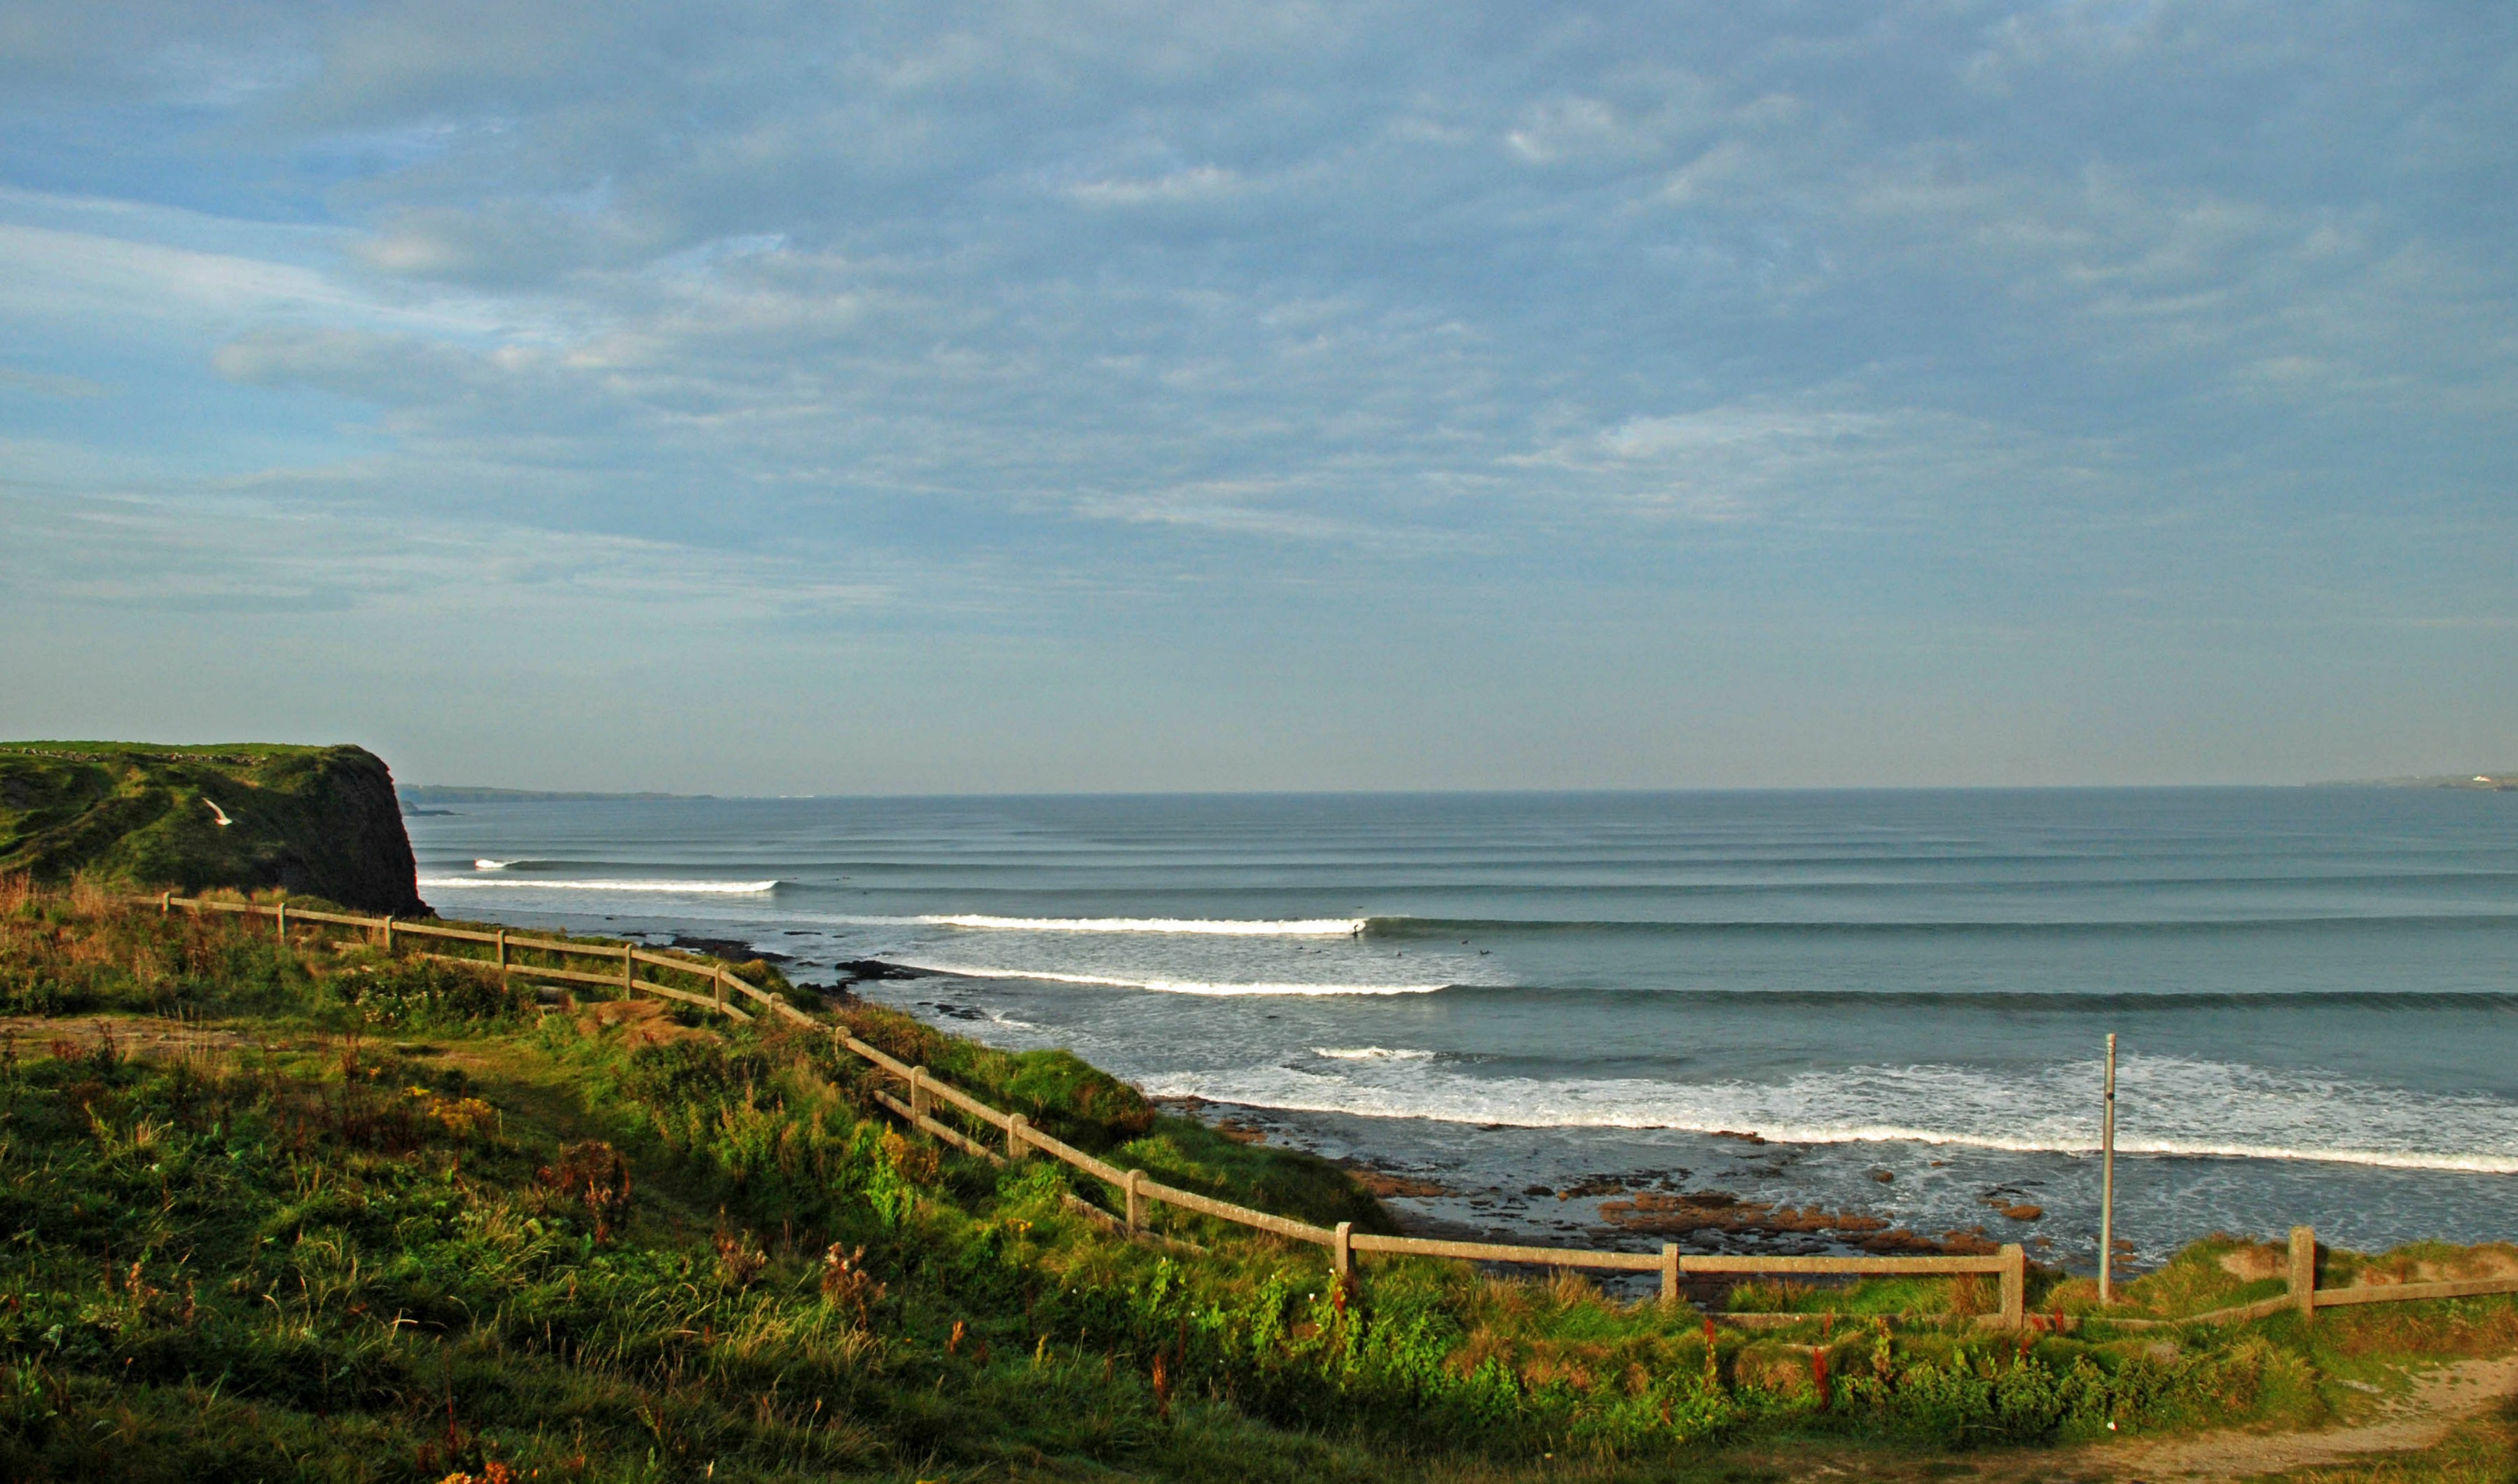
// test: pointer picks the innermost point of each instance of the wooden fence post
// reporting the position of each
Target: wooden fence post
(1135, 1200)
(920, 1099)
(503, 949)
(629, 968)
(1342, 1250)
(2015, 1286)
(1016, 1146)
(2302, 1272)
(165, 904)
(716, 986)
(388, 931)
(1668, 1275)
(282, 914)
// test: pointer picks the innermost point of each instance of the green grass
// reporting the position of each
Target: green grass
(318, 820)
(374, 1219)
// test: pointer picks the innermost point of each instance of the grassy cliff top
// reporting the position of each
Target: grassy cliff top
(317, 820)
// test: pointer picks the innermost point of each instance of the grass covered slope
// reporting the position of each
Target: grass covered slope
(321, 822)
(303, 1210)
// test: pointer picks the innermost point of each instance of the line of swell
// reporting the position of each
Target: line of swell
(1197, 927)
(1438, 927)
(504, 883)
(1167, 986)
(1762, 1000)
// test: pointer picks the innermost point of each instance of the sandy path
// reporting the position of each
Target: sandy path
(2438, 1401)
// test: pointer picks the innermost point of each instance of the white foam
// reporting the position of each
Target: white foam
(2168, 1107)
(1370, 1054)
(492, 865)
(660, 888)
(1168, 986)
(1197, 927)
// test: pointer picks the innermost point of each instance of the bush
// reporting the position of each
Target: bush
(413, 994)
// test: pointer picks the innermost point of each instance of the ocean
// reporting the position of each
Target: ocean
(1890, 1002)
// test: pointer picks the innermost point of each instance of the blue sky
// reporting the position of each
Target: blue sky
(778, 398)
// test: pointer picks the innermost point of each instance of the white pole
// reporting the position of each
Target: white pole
(2108, 1186)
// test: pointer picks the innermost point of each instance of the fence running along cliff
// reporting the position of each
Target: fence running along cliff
(511, 953)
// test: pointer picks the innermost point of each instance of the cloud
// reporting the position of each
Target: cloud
(1034, 308)
(48, 384)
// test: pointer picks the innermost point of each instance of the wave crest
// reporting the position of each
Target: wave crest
(1168, 986)
(658, 888)
(2178, 1109)
(1198, 927)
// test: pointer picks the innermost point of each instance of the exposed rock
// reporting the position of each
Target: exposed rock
(856, 969)
(1384, 1184)
(733, 950)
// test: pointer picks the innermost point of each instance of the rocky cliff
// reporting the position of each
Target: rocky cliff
(321, 822)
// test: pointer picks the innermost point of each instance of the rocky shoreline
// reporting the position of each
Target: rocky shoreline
(1636, 1210)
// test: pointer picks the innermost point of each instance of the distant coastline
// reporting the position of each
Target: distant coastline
(2503, 782)
(451, 793)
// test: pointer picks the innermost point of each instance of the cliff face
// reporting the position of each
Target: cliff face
(318, 820)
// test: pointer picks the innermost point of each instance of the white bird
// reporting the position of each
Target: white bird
(222, 815)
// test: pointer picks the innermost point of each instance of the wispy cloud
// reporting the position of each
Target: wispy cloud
(1030, 319)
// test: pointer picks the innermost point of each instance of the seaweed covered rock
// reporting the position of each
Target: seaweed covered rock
(321, 822)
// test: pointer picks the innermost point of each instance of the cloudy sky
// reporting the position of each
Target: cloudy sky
(787, 398)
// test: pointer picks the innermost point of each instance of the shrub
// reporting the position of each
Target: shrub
(413, 994)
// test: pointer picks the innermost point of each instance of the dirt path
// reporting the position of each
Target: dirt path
(2439, 1401)
(34, 1035)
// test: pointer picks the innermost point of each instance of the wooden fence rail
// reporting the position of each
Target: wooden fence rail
(720, 981)
(1136, 1190)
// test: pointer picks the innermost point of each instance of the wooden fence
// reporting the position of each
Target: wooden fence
(2302, 1294)
(721, 983)
(1135, 1193)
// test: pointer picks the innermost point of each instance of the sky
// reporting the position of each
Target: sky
(774, 398)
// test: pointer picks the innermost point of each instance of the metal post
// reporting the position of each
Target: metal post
(1669, 1275)
(2108, 1186)
(1342, 1248)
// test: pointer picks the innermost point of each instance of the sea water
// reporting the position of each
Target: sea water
(1890, 1002)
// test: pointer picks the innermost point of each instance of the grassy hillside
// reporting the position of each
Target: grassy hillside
(316, 820)
(303, 1210)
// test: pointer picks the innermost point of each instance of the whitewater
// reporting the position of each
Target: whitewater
(1882, 1001)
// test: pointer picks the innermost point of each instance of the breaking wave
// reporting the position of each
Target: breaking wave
(2173, 1107)
(1167, 986)
(658, 888)
(1198, 927)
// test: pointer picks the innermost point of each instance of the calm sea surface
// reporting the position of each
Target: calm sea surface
(2315, 989)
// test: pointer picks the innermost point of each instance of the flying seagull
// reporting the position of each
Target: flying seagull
(222, 815)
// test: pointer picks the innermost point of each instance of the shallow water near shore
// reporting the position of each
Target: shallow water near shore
(1787, 996)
